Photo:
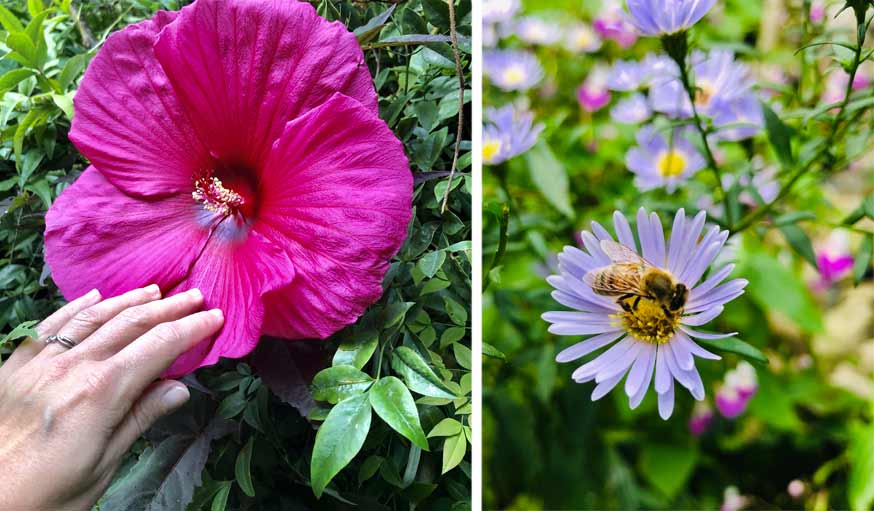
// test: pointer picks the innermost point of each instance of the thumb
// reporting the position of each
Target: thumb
(158, 400)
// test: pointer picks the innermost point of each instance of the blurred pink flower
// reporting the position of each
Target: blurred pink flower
(611, 23)
(817, 11)
(738, 388)
(701, 418)
(236, 147)
(833, 260)
(593, 94)
(732, 500)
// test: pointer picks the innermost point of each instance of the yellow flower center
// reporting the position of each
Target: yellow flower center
(514, 75)
(703, 93)
(491, 148)
(648, 322)
(671, 163)
(583, 39)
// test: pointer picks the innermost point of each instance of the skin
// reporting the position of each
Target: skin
(67, 417)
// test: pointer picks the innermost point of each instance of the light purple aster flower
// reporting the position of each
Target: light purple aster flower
(499, 11)
(668, 354)
(658, 18)
(631, 110)
(661, 160)
(658, 69)
(580, 38)
(625, 75)
(612, 23)
(512, 70)
(763, 182)
(508, 133)
(593, 93)
(723, 93)
(535, 30)
(738, 389)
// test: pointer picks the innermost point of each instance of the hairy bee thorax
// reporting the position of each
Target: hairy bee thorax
(649, 322)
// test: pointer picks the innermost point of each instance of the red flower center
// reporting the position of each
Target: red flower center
(226, 191)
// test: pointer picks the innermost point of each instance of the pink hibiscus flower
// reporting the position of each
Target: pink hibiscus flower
(235, 147)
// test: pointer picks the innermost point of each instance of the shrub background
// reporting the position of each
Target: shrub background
(247, 438)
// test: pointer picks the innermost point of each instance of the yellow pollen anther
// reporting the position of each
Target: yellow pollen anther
(215, 197)
(671, 163)
(648, 322)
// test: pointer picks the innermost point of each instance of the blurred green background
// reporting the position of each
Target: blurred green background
(546, 445)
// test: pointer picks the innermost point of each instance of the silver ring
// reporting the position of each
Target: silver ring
(63, 340)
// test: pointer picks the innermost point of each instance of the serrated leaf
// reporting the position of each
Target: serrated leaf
(243, 468)
(454, 449)
(418, 375)
(737, 346)
(339, 439)
(800, 242)
(164, 477)
(339, 382)
(394, 404)
(550, 177)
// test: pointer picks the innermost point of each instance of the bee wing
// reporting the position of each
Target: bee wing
(616, 279)
(619, 253)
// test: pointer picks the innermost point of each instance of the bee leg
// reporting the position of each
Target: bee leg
(666, 311)
(636, 302)
(623, 303)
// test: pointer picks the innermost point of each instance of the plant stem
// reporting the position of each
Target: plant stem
(453, 34)
(753, 216)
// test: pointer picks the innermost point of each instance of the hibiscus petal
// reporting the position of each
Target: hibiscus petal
(234, 275)
(98, 236)
(128, 120)
(243, 69)
(336, 195)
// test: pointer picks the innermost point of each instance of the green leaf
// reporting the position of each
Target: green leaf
(35, 7)
(243, 468)
(9, 80)
(339, 382)
(367, 32)
(446, 427)
(780, 136)
(774, 286)
(232, 405)
(431, 262)
(418, 375)
(860, 452)
(457, 312)
(550, 177)
(22, 330)
(356, 353)
(864, 258)
(10, 21)
(454, 449)
(339, 439)
(394, 314)
(23, 46)
(800, 242)
(65, 103)
(392, 401)
(369, 468)
(667, 467)
(220, 502)
(491, 351)
(462, 355)
(72, 69)
(737, 346)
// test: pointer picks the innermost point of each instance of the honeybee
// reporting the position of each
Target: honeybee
(631, 278)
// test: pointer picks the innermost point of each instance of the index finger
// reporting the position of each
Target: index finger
(143, 360)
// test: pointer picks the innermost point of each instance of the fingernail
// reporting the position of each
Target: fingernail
(217, 313)
(92, 295)
(195, 293)
(153, 289)
(175, 397)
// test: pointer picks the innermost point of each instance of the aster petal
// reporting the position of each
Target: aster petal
(681, 353)
(600, 232)
(129, 121)
(719, 296)
(576, 262)
(615, 352)
(678, 232)
(635, 400)
(647, 242)
(704, 335)
(658, 235)
(594, 247)
(711, 282)
(662, 373)
(97, 235)
(583, 348)
(605, 386)
(621, 365)
(242, 69)
(234, 276)
(666, 402)
(641, 369)
(574, 301)
(687, 245)
(702, 259)
(703, 318)
(336, 194)
(623, 230)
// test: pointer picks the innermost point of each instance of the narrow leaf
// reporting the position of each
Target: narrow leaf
(864, 258)
(735, 345)
(243, 468)
(418, 375)
(392, 401)
(550, 177)
(339, 439)
(800, 242)
(780, 136)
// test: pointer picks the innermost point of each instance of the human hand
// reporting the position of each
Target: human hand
(68, 416)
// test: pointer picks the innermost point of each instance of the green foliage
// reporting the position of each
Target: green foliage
(301, 413)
